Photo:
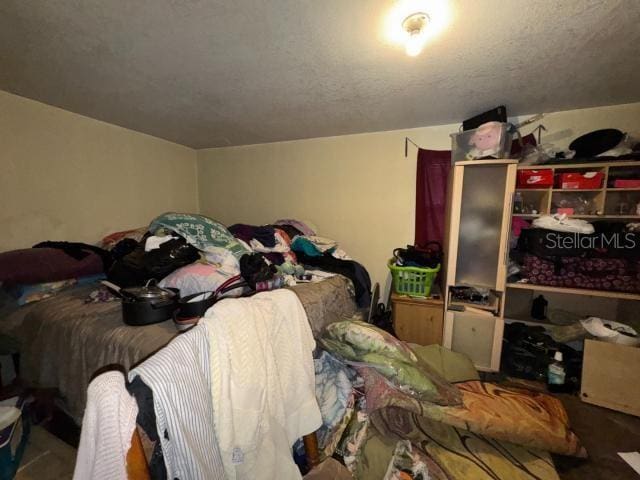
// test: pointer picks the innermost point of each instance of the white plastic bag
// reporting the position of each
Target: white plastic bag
(610, 331)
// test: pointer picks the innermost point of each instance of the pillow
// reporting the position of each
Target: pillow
(360, 343)
(34, 293)
(38, 265)
(531, 419)
(453, 366)
(198, 277)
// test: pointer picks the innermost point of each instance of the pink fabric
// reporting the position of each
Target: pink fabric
(112, 239)
(517, 224)
(199, 277)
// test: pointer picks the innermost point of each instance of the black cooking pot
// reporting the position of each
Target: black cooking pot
(147, 305)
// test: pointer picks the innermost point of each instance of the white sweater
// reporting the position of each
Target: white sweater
(262, 383)
(107, 427)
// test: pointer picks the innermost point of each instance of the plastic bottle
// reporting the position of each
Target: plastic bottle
(517, 203)
(539, 308)
(556, 374)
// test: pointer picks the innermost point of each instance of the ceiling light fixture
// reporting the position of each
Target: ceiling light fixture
(415, 26)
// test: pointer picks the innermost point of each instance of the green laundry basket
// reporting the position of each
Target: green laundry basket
(412, 281)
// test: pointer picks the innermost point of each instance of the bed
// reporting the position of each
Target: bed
(65, 341)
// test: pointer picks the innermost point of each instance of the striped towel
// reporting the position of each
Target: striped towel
(179, 375)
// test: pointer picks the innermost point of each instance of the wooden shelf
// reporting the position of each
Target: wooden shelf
(575, 291)
(480, 306)
(609, 189)
(605, 217)
(602, 217)
(585, 166)
(528, 321)
(571, 190)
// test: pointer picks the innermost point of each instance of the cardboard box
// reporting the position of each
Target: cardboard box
(535, 178)
(588, 180)
(626, 183)
(610, 376)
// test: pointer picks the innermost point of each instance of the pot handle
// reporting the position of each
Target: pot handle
(117, 290)
(166, 303)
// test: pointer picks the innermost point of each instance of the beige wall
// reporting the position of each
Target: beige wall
(68, 177)
(357, 189)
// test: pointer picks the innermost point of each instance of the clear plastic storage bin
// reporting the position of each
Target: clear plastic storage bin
(489, 140)
(13, 439)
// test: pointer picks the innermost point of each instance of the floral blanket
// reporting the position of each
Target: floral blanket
(202, 232)
(433, 450)
(527, 418)
(334, 394)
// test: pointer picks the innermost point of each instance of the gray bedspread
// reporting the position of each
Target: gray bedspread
(64, 341)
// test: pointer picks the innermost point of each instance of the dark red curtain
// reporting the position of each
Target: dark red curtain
(431, 190)
(431, 195)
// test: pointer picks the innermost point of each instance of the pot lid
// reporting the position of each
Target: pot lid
(150, 291)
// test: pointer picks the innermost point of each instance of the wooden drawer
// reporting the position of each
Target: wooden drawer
(417, 320)
(476, 336)
(610, 376)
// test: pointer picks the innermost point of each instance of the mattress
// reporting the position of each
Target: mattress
(65, 342)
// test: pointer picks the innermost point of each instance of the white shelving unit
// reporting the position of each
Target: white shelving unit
(476, 249)
(605, 201)
(619, 305)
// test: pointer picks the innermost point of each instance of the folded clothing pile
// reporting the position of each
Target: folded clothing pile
(270, 240)
(192, 253)
(324, 254)
(289, 243)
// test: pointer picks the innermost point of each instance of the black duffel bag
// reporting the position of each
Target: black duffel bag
(551, 244)
(428, 255)
(138, 267)
(606, 241)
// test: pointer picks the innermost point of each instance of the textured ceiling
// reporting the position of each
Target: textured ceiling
(208, 73)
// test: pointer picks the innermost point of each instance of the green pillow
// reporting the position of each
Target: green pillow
(454, 367)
